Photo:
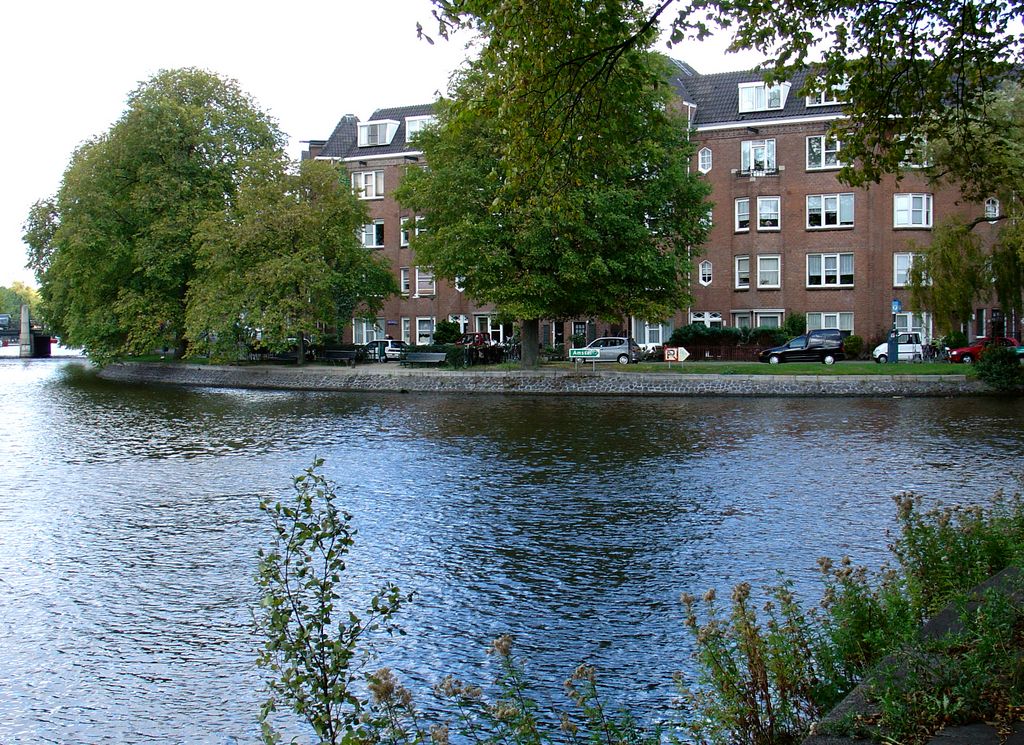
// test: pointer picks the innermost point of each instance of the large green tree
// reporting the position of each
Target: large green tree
(114, 250)
(557, 186)
(283, 261)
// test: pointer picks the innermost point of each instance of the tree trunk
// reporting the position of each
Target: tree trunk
(529, 338)
(300, 355)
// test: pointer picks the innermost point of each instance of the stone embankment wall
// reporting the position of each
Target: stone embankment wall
(391, 377)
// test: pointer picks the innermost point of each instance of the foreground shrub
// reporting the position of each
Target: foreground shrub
(1000, 369)
(766, 680)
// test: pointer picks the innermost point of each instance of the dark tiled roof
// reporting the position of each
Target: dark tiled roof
(717, 98)
(342, 139)
(344, 142)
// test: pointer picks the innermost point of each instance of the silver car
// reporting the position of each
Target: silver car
(619, 349)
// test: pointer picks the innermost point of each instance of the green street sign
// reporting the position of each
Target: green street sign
(584, 354)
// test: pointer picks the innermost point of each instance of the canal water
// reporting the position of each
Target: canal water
(129, 530)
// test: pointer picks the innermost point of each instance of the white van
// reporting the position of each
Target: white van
(910, 349)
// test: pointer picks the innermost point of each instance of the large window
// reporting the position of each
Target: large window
(901, 264)
(914, 322)
(742, 272)
(708, 318)
(912, 210)
(769, 272)
(830, 211)
(364, 331)
(373, 234)
(653, 333)
(369, 184)
(768, 319)
(743, 214)
(404, 280)
(424, 330)
(757, 156)
(415, 124)
(769, 210)
(823, 152)
(407, 330)
(761, 97)
(830, 270)
(425, 284)
(828, 320)
(704, 160)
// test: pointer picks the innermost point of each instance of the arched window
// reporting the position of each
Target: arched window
(992, 209)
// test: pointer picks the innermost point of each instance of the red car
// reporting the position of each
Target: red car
(970, 353)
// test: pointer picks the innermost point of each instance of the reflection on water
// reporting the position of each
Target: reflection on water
(129, 529)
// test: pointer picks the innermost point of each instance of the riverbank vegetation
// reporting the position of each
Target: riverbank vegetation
(767, 668)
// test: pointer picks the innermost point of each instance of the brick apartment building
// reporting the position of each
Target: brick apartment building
(786, 236)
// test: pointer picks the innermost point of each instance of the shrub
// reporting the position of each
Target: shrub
(1000, 369)
(853, 345)
(446, 332)
(767, 684)
(795, 324)
(954, 339)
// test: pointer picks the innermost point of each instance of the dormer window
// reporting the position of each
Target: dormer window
(377, 133)
(415, 124)
(828, 96)
(992, 209)
(761, 97)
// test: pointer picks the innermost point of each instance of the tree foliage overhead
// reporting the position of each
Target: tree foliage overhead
(113, 251)
(283, 259)
(558, 185)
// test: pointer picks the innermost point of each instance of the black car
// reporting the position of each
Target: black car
(820, 345)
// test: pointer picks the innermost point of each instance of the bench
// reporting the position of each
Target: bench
(423, 358)
(348, 356)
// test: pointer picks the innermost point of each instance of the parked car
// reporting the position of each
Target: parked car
(910, 349)
(383, 350)
(619, 349)
(972, 352)
(819, 345)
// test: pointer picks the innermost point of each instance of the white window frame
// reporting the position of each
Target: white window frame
(908, 322)
(415, 124)
(910, 205)
(653, 333)
(426, 282)
(837, 205)
(421, 322)
(766, 212)
(406, 329)
(901, 265)
(766, 259)
(737, 212)
(742, 319)
(419, 227)
(828, 96)
(403, 231)
(827, 319)
(992, 209)
(704, 159)
(738, 273)
(826, 153)
(759, 96)
(377, 133)
(708, 318)
(368, 184)
(704, 274)
(830, 267)
(776, 315)
(373, 234)
(365, 330)
(758, 156)
(405, 281)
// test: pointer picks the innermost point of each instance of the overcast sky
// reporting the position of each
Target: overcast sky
(67, 66)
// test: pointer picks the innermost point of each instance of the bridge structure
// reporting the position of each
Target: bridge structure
(31, 342)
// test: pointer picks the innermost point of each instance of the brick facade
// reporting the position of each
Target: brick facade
(794, 265)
